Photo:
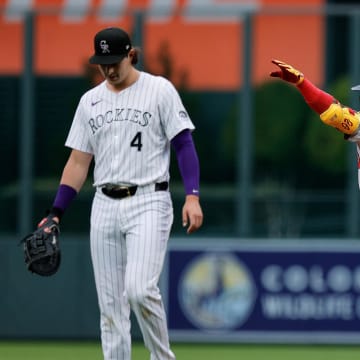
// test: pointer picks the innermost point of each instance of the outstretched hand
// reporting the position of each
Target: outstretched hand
(287, 73)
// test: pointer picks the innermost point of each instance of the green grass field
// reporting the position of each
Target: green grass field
(15, 350)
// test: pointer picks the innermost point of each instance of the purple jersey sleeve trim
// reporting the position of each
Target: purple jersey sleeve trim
(64, 196)
(188, 161)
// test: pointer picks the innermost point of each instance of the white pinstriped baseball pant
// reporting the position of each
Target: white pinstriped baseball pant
(128, 240)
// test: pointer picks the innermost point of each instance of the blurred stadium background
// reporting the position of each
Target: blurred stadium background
(277, 257)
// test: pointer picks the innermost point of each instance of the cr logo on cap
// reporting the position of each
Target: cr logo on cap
(104, 46)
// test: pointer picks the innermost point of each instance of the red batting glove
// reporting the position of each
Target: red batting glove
(287, 73)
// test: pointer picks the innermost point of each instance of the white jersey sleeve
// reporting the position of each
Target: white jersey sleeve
(174, 117)
(78, 137)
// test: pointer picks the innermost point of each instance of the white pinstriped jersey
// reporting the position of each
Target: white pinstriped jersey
(129, 132)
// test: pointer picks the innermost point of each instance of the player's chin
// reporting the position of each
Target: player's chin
(114, 79)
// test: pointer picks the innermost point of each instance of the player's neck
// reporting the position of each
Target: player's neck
(132, 77)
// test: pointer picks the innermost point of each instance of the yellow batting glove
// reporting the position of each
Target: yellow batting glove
(287, 73)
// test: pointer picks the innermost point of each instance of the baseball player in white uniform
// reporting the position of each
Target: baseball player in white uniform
(128, 124)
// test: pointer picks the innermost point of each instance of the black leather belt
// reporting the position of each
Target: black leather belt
(120, 191)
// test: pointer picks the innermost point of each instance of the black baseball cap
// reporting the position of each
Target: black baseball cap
(111, 45)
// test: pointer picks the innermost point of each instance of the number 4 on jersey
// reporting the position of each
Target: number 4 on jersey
(136, 141)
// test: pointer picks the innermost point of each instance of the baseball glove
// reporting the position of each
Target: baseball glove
(41, 248)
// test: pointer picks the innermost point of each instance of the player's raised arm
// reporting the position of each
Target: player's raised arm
(331, 112)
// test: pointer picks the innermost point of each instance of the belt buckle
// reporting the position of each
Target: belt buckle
(124, 188)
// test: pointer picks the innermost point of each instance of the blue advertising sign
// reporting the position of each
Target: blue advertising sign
(265, 293)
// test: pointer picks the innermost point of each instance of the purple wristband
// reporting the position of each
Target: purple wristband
(64, 196)
(188, 161)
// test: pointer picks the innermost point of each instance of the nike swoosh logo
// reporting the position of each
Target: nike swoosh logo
(93, 103)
